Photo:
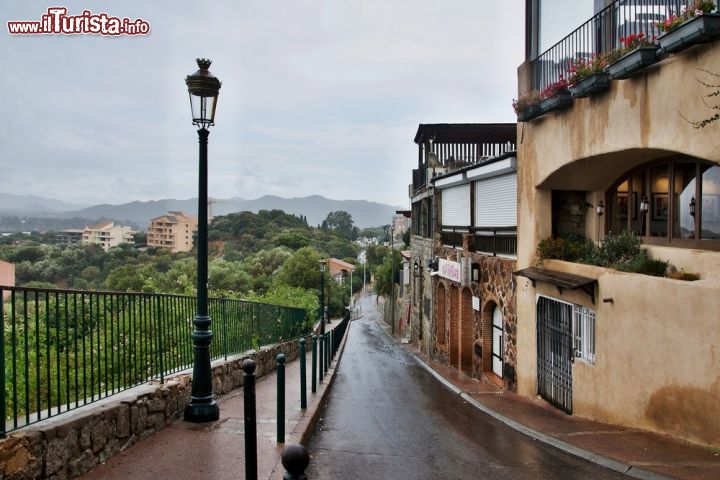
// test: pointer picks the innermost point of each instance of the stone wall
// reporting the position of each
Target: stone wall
(71, 444)
(421, 294)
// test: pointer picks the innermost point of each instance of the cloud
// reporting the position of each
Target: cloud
(318, 97)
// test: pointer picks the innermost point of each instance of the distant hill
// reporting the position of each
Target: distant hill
(32, 205)
(315, 208)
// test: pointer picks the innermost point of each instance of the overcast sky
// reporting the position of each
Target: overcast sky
(318, 97)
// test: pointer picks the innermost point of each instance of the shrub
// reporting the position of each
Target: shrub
(687, 276)
(621, 252)
(571, 248)
(617, 250)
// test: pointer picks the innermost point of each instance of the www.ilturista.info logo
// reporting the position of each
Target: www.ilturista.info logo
(57, 22)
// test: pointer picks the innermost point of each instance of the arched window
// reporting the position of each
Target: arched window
(665, 204)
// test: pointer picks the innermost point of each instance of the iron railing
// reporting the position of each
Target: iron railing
(600, 35)
(452, 236)
(62, 349)
(492, 240)
(495, 240)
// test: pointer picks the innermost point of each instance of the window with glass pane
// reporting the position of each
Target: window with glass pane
(636, 193)
(710, 205)
(659, 201)
(674, 201)
(683, 192)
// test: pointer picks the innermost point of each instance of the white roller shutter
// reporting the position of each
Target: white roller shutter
(456, 206)
(496, 201)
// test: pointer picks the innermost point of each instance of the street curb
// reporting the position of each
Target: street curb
(306, 426)
(308, 423)
(578, 452)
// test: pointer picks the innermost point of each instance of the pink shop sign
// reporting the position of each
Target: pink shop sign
(450, 270)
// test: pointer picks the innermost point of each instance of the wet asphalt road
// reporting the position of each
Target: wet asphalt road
(387, 418)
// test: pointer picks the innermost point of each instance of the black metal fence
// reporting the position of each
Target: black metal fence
(601, 34)
(62, 349)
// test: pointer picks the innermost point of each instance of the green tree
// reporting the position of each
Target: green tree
(341, 222)
(228, 277)
(301, 269)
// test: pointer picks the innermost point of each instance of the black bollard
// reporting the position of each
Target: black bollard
(280, 398)
(295, 459)
(303, 376)
(250, 420)
(313, 381)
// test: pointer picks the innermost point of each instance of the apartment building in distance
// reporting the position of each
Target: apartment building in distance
(173, 230)
(70, 236)
(7, 277)
(107, 234)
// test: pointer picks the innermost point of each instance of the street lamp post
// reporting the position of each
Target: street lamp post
(203, 88)
(322, 296)
(389, 231)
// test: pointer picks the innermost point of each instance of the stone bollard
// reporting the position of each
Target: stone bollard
(313, 380)
(295, 459)
(280, 398)
(250, 419)
(303, 376)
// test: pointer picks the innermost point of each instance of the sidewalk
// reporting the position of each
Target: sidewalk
(217, 450)
(637, 453)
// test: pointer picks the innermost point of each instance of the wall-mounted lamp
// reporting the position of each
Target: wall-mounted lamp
(416, 268)
(692, 206)
(644, 205)
(600, 208)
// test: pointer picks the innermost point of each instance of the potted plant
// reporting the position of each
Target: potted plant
(527, 106)
(555, 96)
(693, 25)
(588, 76)
(636, 53)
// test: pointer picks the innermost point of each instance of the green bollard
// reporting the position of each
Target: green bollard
(313, 383)
(303, 376)
(280, 398)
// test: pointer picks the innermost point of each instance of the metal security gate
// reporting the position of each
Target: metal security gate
(554, 352)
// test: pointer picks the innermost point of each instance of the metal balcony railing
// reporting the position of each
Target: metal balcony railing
(496, 241)
(62, 349)
(452, 236)
(600, 35)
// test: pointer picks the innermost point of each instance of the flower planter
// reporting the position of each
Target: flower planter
(587, 86)
(696, 30)
(633, 62)
(556, 102)
(529, 113)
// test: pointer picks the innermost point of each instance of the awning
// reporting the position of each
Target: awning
(561, 280)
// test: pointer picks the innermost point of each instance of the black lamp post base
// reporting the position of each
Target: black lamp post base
(202, 412)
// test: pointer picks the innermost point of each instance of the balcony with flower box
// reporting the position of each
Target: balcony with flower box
(617, 43)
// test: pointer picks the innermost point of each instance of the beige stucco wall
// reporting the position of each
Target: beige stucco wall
(658, 342)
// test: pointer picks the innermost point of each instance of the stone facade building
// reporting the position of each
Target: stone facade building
(462, 305)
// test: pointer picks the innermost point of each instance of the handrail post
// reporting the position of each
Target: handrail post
(280, 398)
(250, 420)
(160, 340)
(313, 380)
(321, 358)
(303, 376)
(225, 328)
